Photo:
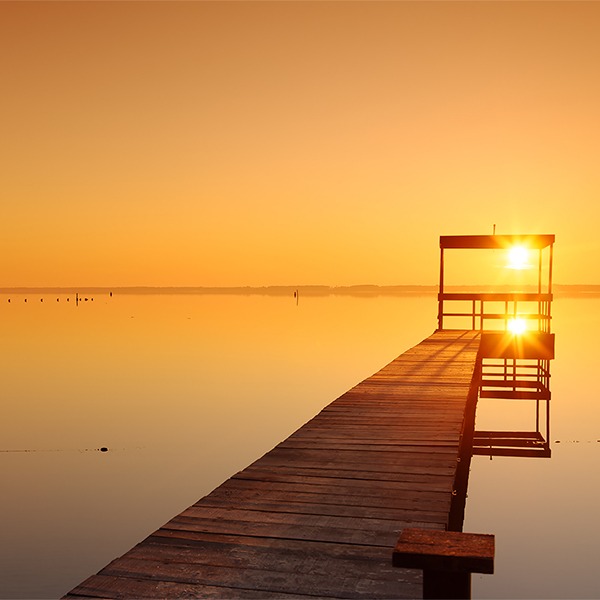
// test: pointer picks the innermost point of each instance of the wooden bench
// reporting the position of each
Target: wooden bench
(447, 559)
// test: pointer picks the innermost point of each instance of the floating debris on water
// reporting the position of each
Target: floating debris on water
(101, 449)
(577, 441)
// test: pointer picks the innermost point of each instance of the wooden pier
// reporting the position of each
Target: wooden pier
(320, 514)
(377, 481)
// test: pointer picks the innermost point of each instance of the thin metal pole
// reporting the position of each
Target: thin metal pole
(550, 269)
(550, 286)
(540, 272)
(548, 422)
(441, 292)
(540, 383)
(539, 290)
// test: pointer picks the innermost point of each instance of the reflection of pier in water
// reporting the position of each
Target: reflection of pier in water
(318, 516)
(511, 379)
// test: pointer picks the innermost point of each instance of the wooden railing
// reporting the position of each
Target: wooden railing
(493, 311)
(515, 379)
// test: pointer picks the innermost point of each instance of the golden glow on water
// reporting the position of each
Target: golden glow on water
(533, 503)
(183, 391)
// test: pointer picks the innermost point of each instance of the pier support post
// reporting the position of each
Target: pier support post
(447, 559)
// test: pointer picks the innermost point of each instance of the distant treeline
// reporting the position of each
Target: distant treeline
(560, 290)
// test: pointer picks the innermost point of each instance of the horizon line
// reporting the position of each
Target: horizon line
(312, 289)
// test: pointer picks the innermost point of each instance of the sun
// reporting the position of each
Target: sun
(518, 258)
(517, 326)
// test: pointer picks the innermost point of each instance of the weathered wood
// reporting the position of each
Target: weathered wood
(284, 505)
(235, 542)
(364, 484)
(318, 516)
(447, 559)
(334, 457)
(369, 494)
(537, 241)
(118, 587)
(445, 551)
(300, 581)
(301, 530)
(426, 446)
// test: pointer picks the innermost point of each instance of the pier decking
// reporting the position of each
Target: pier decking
(319, 515)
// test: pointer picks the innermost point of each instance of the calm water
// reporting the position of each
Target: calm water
(544, 512)
(184, 390)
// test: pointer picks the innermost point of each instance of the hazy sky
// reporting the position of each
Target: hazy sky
(243, 143)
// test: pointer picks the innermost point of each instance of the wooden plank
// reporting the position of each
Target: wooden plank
(346, 488)
(390, 436)
(537, 241)
(276, 504)
(421, 424)
(362, 469)
(300, 530)
(109, 586)
(358, 460)
(426, 447)
(445, 551)
(299, 559)
(365, 454)
(340, 584)
(203, 540)
(203, 513)
(422, 481)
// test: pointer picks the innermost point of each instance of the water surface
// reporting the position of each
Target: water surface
(184, 390)
(544, 511)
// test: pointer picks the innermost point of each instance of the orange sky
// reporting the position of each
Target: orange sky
(241, 143)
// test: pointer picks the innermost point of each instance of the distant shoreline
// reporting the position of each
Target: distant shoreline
(560, 290)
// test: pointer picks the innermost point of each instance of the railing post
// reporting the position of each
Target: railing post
(481, 315)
